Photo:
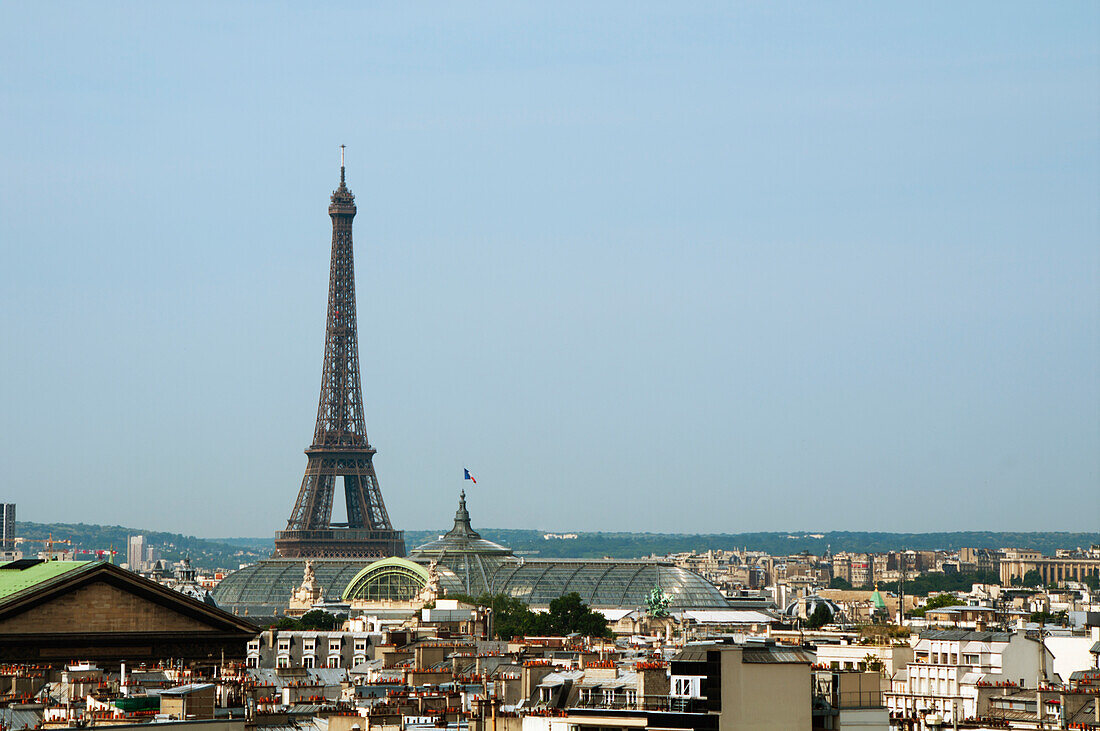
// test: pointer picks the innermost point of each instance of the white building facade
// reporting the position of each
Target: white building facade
(950, 667)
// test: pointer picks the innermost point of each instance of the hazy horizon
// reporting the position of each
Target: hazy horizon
(682, 269)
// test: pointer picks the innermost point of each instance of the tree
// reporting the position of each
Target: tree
(936, 602)
(315, 619)
(320, 619)
(1033, 578)
(873, 663)
(841, 583)
(926, 584)
(820, 617)
(569, 615)
(1092, 581)
(512, 618)
(1059, 618)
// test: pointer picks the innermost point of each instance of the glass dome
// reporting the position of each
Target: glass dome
(466, 563)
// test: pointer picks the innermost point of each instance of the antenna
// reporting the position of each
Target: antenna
(342, 155)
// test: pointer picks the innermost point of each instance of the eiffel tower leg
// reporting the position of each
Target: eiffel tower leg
(313, 508)
(354, 501)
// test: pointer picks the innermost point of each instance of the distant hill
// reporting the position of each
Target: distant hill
(637, 545)
(229, 553)
(204, 553)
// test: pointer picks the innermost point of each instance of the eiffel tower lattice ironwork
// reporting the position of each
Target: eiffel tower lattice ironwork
(340, 449)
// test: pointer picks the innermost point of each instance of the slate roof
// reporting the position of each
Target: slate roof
(963, 635)
(777, 655)
(187, 689)
(312, 676)
(16, 719)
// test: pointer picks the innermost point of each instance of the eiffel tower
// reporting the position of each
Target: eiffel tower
(340, 449)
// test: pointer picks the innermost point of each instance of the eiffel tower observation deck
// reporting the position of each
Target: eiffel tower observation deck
(341, 454)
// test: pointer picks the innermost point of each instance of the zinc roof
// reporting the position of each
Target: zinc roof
(957, 635)
(18, 719)
(776, 655)
(16, 580)
(187, 689)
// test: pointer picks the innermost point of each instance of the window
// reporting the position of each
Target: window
(685, 687)
(360, 645)
(254, 645)
(309, 644)
(253, 662)
(308, 661)
(394, 583)
(282, 662)
(334, 644)
(334, 661)
(284, 644)
(358, 660)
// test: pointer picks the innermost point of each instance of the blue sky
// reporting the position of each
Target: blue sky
(722, 267)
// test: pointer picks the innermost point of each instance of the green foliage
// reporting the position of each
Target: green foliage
(1059, 618)
(840, 583)
(820, 617)
(204, 554)
(315, 619)
(936, 602)
(926, 584)
(512, 618)
(872, 663)
(568, 614)
(228, 553)
(1033, 578)
(1092, 582)
(640, 545)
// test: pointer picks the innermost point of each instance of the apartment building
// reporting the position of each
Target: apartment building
(276, 648)
(950, 667)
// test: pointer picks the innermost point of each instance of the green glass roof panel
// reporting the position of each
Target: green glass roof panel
(15, 580)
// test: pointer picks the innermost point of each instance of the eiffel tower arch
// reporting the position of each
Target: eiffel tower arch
(340, 449)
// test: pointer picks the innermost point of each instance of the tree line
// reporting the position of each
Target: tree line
(566, 615)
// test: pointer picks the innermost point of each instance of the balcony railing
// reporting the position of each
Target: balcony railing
(343, 534)
(648, 703)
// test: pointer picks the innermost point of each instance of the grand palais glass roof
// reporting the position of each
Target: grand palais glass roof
(467, 563)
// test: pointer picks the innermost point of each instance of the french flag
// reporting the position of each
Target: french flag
(469, 476)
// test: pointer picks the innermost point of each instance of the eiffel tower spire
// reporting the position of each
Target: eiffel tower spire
(340, 449)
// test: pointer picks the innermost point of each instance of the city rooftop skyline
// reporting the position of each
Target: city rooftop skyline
(639, 268)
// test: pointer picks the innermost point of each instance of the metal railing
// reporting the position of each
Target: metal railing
(344, 534)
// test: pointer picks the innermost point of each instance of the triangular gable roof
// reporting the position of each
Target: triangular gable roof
(18, 576)
(27, 588)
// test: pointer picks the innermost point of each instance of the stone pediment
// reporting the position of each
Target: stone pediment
(100, 598)
(100, 607)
